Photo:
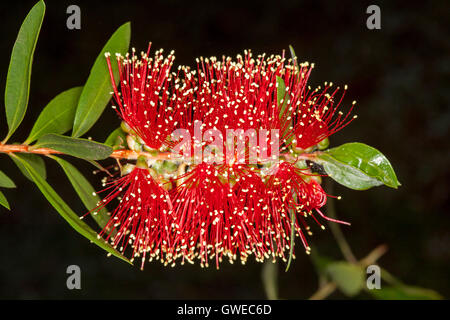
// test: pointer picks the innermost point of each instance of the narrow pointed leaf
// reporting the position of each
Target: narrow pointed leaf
(295, 60)
(19, 73)
(292, 240)
(57, 117)
(282, 99)
(33, 160)
(293, 55)
(85, 191)
(358, 166)
(96, 92)
(76, 147)
(66, 212)
(117, 139)
(4, 201)
(281, 93)
(5, 181)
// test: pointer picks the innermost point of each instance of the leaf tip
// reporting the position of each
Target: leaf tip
(396, 184)
(127, 26)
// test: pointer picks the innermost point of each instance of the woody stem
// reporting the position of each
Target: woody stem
(116, 154)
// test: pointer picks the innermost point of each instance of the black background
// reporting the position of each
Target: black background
(399, 75)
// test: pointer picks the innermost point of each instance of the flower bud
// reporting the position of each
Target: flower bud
(125, 127)
(322, 145)
(169, 166)
(133, 143)
(301, 164)
(165, 183)
(309, 150)
(316, 178)
(126, 169)
(142, 162)
(306, 178)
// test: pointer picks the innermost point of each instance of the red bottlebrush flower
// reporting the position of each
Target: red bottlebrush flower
(217, 211)
(143, 217)
(241, 94)
(208, 223)
(145, 102)
(232, 94)
(290, 192)
(253, 200)
(315, 116)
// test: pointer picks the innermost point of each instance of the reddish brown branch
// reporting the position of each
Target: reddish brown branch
(130, 154)
(117, 154)
(22, 148)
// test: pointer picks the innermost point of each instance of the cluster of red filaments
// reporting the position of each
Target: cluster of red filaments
(213, 211)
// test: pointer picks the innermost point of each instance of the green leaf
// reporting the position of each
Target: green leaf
(349, 278)
(4, 201)
(404, 292)
(85, 191)
(117, 139)
(346, 175)
(76, 147)
(282, 99)
(5, 181)
(19, 73)
(292, 240)
(358, 166)
(67, 213)
(269, 276)
(281, 93)
(96, 92)
(294, 56)
(33, 160)
(295, 60)
(57, 116)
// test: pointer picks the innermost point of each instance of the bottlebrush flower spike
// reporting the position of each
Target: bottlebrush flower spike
(220, 210)
(143, 217)
(145, 102)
